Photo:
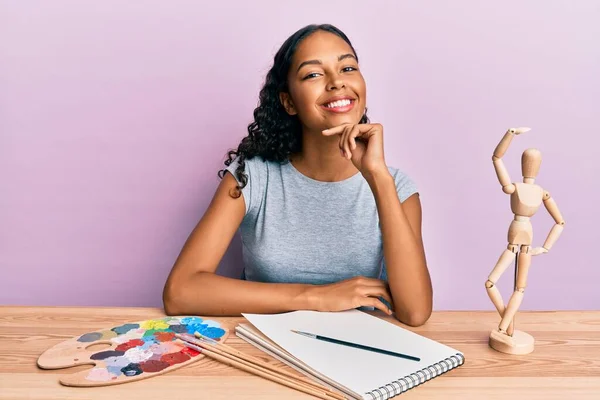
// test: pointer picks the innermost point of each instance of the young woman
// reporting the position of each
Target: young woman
(325, 224)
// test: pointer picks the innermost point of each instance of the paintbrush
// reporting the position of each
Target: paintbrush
(251, 364)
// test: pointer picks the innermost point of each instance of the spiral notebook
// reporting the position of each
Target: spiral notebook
(355, 373)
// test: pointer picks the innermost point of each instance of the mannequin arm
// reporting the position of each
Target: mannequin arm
(558, 227)
(501, 172)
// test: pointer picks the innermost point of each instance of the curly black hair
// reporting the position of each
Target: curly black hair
(275, 134)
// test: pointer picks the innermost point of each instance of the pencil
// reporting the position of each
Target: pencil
(356, 345)
(257, 370)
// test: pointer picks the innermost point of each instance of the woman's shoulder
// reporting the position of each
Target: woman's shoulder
(253, 179)
(405, 184)
(253, 166)
(257, 170)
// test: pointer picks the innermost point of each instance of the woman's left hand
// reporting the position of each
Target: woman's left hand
(362, 144)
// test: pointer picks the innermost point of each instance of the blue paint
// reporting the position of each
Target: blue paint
(191, 320)
(90, 337)
(179, 328)
(115, 370)
(120, 362)
(149, 339)
(211, 323)
(132, 369)
(191, 328)
(204, 329)
(212, 332)
(146, 345)
(120, 330)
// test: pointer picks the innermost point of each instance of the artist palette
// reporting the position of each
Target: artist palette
(131, 351)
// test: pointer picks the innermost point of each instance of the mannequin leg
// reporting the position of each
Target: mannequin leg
(506, 258)
(517, 297)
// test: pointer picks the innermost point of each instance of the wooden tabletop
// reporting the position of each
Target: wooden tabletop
(564, 365)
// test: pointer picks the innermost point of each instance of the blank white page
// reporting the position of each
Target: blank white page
(359, 370)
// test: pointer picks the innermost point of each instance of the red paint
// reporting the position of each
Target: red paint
(174, 358)
(190, 352)
(153, 365)
(164, 336)
(129, 344)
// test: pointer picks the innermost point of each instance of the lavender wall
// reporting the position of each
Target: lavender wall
(115, 117)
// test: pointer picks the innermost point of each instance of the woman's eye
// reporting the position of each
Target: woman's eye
(314, 74)
(309, 76)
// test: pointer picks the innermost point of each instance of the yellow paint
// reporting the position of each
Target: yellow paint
(154, 324)
(108, 334)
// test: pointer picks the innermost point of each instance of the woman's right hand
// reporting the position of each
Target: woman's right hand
(350, 293)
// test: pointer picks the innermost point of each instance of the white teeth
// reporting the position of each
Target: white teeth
(339, 103)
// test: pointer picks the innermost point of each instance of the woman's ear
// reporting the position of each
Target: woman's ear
(287, 103)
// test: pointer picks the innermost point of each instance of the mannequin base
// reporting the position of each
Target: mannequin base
(519, 343)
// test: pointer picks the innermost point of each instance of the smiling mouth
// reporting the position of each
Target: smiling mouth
(339, 106)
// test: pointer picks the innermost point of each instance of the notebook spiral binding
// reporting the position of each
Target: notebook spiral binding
(408, 382)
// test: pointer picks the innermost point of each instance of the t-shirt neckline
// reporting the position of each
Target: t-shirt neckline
(310, 180)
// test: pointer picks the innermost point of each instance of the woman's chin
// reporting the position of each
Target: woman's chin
(336, 120)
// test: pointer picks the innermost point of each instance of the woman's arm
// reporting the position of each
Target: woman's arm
(193, 287)
(408, 276)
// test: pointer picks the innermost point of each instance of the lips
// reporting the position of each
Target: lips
(337, 98)
(339, 105)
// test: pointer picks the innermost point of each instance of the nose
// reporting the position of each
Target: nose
(336, 83)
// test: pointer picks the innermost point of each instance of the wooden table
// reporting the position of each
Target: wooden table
(564, 365)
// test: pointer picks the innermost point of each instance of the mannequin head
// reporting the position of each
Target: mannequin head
(530, 164)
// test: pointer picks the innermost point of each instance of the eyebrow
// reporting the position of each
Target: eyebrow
(319, 62)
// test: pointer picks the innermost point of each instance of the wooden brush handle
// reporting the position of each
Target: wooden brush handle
(257, 370)
(223, 348)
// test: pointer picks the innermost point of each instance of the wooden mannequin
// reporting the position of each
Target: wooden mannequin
(525, 199)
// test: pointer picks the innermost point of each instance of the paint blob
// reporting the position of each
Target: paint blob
(179, 328)
(153, 365)
(137, 355)
(90, 337)
(191, 320)
(190, 352)
(105, 354)
(209, 331)
(120, 330)
(108, 335)
(130, 344)
(132, 369)
(174, 358)
(117, 362)
(154, 324)
(116, 371)
(164, 336)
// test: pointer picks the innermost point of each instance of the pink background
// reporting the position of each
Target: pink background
(115, 117)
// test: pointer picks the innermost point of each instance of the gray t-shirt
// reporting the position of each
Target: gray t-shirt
(300, 230)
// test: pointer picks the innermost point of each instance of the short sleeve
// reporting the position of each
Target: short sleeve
(405, 186)
(251, 192)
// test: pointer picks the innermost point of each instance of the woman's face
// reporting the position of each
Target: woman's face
(326, 88)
